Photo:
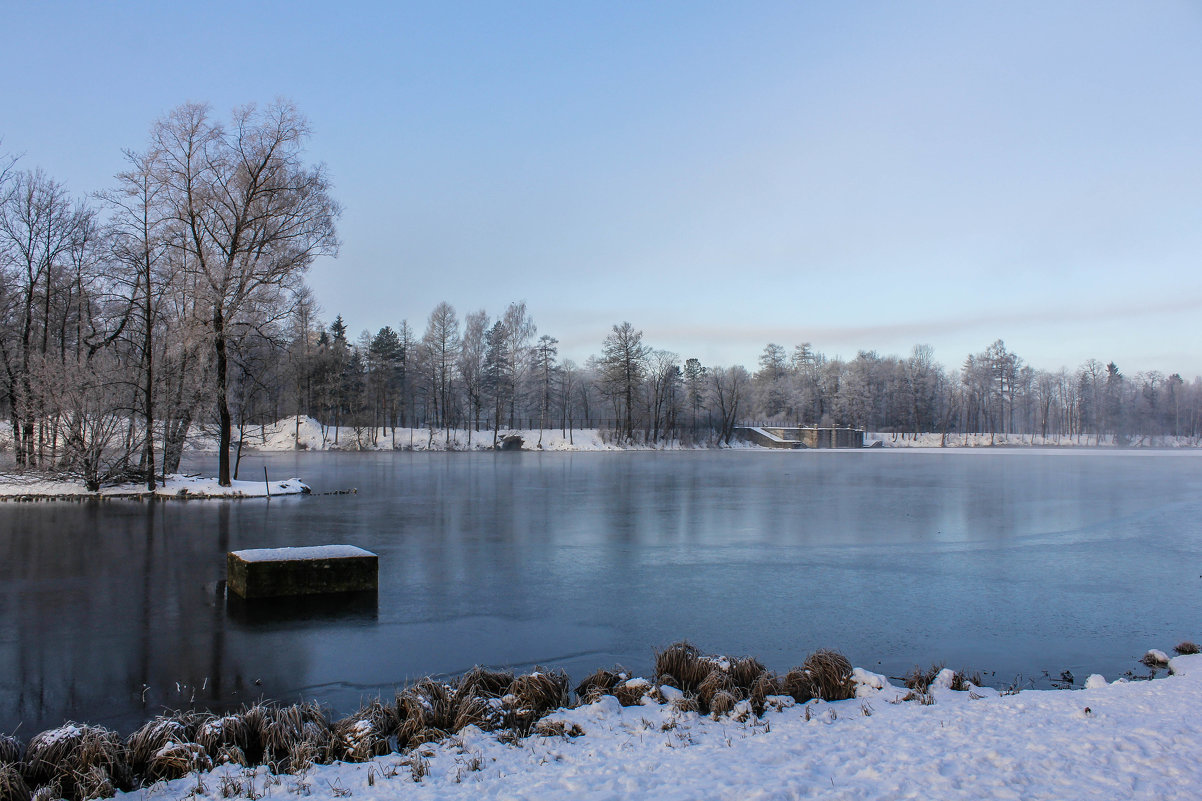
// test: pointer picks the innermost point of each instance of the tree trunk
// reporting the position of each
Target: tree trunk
(223, 406)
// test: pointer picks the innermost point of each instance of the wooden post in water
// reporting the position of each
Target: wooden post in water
(266, 483)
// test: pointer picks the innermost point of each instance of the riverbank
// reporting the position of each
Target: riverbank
(31, 486)
(634, 738)
(307, 434)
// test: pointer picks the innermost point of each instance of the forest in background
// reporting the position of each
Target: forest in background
(174, 302)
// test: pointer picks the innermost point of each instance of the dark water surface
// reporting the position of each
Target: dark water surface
(1015, 562)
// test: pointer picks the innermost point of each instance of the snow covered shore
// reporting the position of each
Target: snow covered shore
(288, 435)
(1113, 741)
(953, 440)
(15, 486)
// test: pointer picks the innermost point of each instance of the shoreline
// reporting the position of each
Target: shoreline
(491, 732)
(33, 487)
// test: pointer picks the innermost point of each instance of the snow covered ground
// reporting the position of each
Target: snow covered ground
(952, 440)
(287, 435)
(1124, 740)
(15, 485)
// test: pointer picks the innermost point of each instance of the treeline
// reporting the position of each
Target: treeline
(486, 374)
(129, 316)
(175, 300)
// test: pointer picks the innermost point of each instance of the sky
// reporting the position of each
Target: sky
(860, 175)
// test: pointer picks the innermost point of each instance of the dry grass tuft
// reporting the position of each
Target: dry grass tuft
(427, 710)
(682, 666)
(800, 685)
(51, 791)
(920, 680)
(12, 783)
(11, 749)
(722, 702)
(230, 755)
(766, 684)
(963, 681)
(176, 760)
(146, 742)
(631, 693)
(94, 782)
(557, 728)
(746, 671)
(1153, 660)
(686, 704)
(230, 731)
(73, 757)
(483, 683)
(365, 734)
(1187, 647)
(602, 682)
(486, 714)
(299, 729)
(537, 694)
(716, 682)
(830, 672)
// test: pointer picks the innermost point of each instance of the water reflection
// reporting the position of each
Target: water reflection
(1008, 562)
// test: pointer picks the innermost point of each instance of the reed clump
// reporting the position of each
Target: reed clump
(12, 784)
(367, 733)
(600, 682)
(535, 695)
(825, 675)
(78, 761)
(11, 749)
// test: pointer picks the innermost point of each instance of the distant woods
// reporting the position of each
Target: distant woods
(128, 317)
(174, 302)
(487, 375)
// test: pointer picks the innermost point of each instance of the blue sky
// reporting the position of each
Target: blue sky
(722, 175)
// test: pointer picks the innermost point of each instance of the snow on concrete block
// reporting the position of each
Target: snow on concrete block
(276, 572)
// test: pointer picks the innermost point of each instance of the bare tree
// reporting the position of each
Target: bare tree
(520, 329)
(728, 385)
(471, 365)
(545, 352)
(255, 216)
(139, 235)
(624, 364)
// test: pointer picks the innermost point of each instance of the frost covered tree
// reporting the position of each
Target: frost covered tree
(543, 361)
(253, 213)
(623, 365)
(520, 329)
(497, 370)
(471, 365)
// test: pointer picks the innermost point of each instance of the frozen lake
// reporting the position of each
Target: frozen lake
(1009, 562)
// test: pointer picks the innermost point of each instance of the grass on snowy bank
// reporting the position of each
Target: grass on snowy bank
(79, 762)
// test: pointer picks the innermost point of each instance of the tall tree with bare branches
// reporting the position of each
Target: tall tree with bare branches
(254, 214)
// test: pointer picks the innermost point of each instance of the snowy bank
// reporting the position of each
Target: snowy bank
(289, 434)
(1113, 741)
(308, 434)
(1116, 740)
(954, 440)
(16, 486)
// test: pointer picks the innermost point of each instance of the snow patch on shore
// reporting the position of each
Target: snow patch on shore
(1113, 741)
(175, 485)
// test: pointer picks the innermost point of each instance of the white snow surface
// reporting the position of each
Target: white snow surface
(965, 440)
(1127, 740)
(15, 485)
(307, 552)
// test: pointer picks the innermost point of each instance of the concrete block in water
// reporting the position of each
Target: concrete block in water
(275, 572)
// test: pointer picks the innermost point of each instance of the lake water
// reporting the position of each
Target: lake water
(1009, 562)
